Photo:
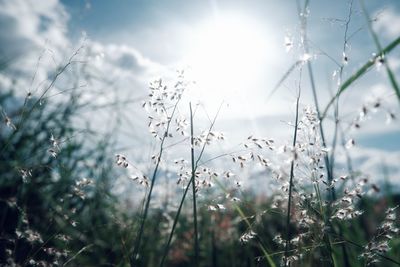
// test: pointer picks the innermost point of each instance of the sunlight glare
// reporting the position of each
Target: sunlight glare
(226, 55)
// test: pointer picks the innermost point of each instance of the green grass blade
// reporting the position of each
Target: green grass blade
(244, 217)
(379, 47)
(360, 72)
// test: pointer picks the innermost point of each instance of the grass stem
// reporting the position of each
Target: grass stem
(136, 248)
(288, 233)
(196, 237)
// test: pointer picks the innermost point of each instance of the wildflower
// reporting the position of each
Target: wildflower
(9, 123)
(379, 61)
(212, 208)
(379, 244)
(121, 160)
(345, 59)
(350, 143)
(288, 43)
(33, 236)
(52, 152)
(246, 237)
(54, 146)
(25, 174)
(84, 182)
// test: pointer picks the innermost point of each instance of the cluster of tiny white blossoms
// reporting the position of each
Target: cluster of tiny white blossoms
(309, 187)
(247, 236)
(345, 208)
(161, 105)
(54, 146)
(295, 242)
(379, 244)
(79, 188)
(206, 137)
(166, 118)
(26, 174)
(133, 173)
(371, 106)
(203, 175)
(7, 120)
(30, 235)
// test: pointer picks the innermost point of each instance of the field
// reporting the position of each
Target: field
(96, 172)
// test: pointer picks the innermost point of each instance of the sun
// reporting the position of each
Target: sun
(225, 55)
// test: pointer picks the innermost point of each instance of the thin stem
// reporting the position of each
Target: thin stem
(246, 220)
(303, 20)
(171, 234)
(362, 247)
(336, 110)
(336, 114)
(196, 238)
(79, 252)
(315, 97)
(25, 115)
(291, 182)
(153, 180)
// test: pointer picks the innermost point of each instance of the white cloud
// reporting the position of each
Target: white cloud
(121, 60)
(34, 41)
(388, 23)
(30, 24)
(371, 161)
(32, 29)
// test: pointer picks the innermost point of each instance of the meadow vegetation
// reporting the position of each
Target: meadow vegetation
(58, 207)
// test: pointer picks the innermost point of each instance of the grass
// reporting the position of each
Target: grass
(289, 205)
(135, 253)
(360, 72)
(58, 205)
(194, 190)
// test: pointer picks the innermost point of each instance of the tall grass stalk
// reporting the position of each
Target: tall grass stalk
(336, 110)
(337, 122)
(171, 234)
(291, 181)
(303, 21)
(136, 248)
(26, 114)
(196, 237)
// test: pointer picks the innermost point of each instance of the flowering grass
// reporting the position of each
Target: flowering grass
(58, 207)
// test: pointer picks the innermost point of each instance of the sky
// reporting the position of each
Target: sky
(176, 34)
(235, 50)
